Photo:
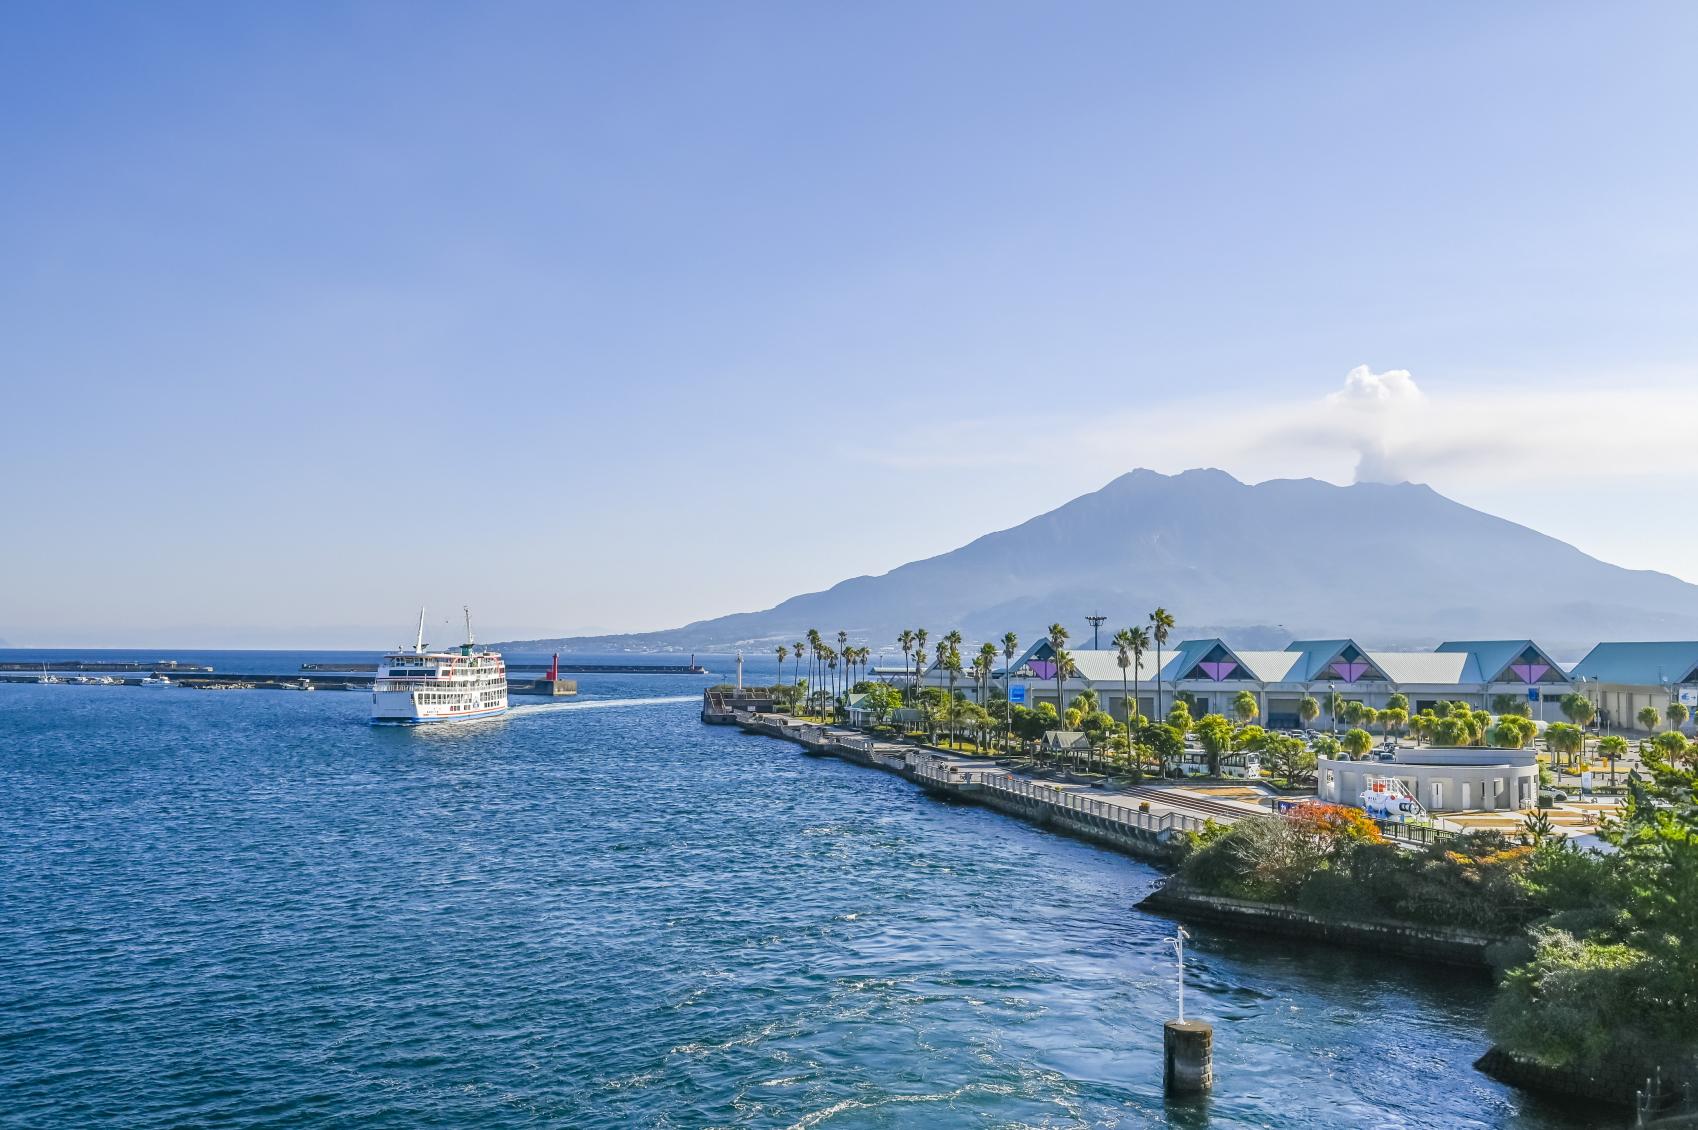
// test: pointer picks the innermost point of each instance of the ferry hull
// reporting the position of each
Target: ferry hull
(436, 719)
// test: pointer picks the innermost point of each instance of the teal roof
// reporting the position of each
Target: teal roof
(1640, 664)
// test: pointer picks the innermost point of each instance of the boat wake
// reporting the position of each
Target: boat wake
(525, 708)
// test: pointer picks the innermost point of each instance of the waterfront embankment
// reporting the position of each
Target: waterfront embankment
(1142, 826)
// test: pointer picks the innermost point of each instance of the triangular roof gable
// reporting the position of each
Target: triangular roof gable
(1215, 661)
(1341, 661)
(1506, 661)
(1039, 657)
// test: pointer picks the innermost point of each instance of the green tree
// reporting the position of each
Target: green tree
(1057, 643)
(1648, 717)
(1244, 707)
(1215, 734)
(920, 637)
(1164, 745)
(783, 654)
(1326, 746)
(1288, 757)
(1564, 739)
(1577, 708)
(1123, 659)
(1180, 716)
(796, 662)
(1356, 742)
(1677, 714)
(1611, 748)
(1137, 642)
(1512, 732)
(905, 641)
(1308, 709)
(1161, 623)
(1671, 746)
(1397, 702)
(1512, 704)
(1010, 648)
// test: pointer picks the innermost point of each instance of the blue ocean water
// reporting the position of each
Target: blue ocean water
(252, 909)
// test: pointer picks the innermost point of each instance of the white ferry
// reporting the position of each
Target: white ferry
(418, 686)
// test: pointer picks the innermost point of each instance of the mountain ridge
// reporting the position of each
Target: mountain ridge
(1386, 564)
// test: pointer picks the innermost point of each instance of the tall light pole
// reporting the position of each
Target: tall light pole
(1332, 707)
(1096, 622)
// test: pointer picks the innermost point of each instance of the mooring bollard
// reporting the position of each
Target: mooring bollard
(1188, 1046)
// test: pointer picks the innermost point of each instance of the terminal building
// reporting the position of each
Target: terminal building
(1211, 674)
(1624, 678)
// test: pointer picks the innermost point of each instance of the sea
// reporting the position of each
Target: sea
(254, 909)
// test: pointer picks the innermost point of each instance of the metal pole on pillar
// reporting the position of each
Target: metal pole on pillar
(1187, 1045)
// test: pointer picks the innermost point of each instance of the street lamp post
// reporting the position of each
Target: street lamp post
(1332, 707)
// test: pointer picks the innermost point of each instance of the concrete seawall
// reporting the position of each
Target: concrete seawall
(1142, 834)
(1441, 944)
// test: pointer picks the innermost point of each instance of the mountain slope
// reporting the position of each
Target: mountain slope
(1388, 565)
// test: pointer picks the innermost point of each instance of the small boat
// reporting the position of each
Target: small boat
(44, 677)
(156, 680)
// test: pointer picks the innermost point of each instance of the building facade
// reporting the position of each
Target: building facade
(1211, 674)
(1622, 679)
(1441, 780)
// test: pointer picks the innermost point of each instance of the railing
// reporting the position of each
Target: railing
(1066, 799)
(1414, 833)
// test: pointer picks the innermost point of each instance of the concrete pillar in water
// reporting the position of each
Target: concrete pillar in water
(1188, 1048)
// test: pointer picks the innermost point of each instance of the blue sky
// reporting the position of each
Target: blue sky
(311, 313)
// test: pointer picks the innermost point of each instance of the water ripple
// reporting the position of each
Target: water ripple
(253, 910)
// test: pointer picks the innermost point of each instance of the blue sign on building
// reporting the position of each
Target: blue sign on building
(1532, 694)
(1017, 695)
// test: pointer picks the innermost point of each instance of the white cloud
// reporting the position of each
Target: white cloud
(1376, 427)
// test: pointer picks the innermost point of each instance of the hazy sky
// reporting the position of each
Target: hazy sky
(612, 316)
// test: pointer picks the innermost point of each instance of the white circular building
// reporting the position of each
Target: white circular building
(1441, 779)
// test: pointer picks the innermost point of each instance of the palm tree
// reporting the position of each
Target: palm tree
(1648, 718)
(1676, 714)
(1064, 668)
(843, 649)
(951, 661)
(986, 665)
(1057, 638)
(796, 670)
(1122, 642)
(831, 661)
(814, 662)
(1610, 748)
(1010, 648)
(783, 654)
(905, 641)
(920, 635)
(1308, 709)
(1138, 642)
(1161, 622)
